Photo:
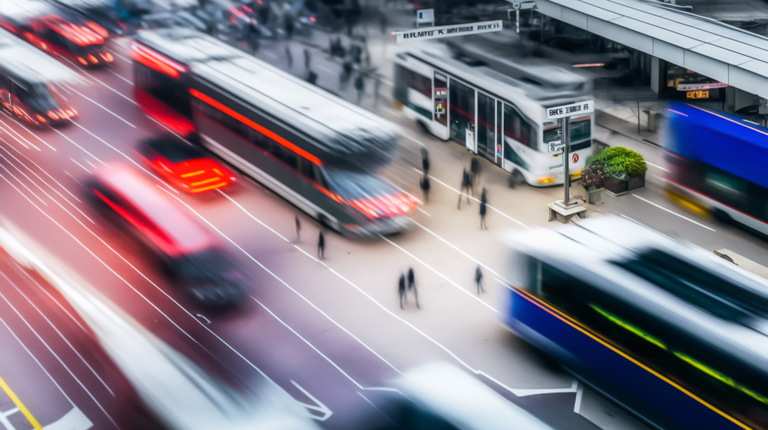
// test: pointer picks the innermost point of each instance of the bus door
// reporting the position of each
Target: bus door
(486, 126)
(499, 154)
(440, 102)
(462, 102)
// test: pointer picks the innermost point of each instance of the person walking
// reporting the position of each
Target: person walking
(346, 73)
(401, 290)
(412, 286)
(289, 57)
(424, 184)
(360, 87)
(321, 246)
(307, 59)
(425, 160)
(298, 229)
(465, 183)
(483, 210)
(479, 280)
(312, 77)
(474, 169)
(383, 22)
(252, 37)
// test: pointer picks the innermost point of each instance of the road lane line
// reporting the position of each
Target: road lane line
(457, 249)
(102, 83)
(58, 332)
(80, 147)
(375, 407)
(673, 213)
(16, 401)
(326, 69)
(450, 281)
(22, 184)
(14, 137)
(656, 166)
(59, 360)
(393, 112)
(83, 167)
(99, 105)
(28, 131)
(124, 58)
(44, 290)
(126, 157)
(423, 211)
(120, 76)
(252, 217)
(489, 206)
(414, 139)
(357, 384)
(274, 275)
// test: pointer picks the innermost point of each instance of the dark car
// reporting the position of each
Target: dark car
(190, 254)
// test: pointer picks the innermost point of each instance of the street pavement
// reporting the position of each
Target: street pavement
(331, 332)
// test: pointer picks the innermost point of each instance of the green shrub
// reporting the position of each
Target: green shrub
(620, 162)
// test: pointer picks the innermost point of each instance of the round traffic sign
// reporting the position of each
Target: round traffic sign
(575, 158)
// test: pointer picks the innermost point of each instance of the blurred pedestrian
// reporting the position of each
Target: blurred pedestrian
(479, 280)
(346, 72)
(465, 184)
(424, 184)
(321, 246)
(298, 229)
(307, 58)
(483, 196)
(425, 160)
(252, 36)
(290, 27)
(289, 57)
(482, 215)
(401, 290)
(360, 87)
(474, 169)
(412, 286)
(376, 86)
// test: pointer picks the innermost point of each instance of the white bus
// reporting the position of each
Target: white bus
(455, 97)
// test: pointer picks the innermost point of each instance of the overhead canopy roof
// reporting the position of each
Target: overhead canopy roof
(730, 55)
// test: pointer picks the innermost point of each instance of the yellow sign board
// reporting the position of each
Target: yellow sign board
(701, 94)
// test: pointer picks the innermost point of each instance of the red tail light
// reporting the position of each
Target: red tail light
(385, 206)
(98, 29)
(313, 19)
(93, 59)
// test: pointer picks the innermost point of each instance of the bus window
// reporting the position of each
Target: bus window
(462, 105)
(413, 90)
(517, 127)
(726, 187)
(581, 129)
(163, 87)
(486, 116)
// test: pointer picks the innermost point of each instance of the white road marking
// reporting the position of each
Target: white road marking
(15, 138)
(23, 185)
(83, 167)
(99, 105)
(35, 164)
(386, 81)
(124, 58)
(207, 321)
(72, 374)
(80, 147)
(320, 406)
(281, 280)
(75, 419)
(489, 206)
(392, 111)
(457, 249)
(120, 76)
(673, 213)
(102, 83)
(579, 395)
(37, 361)
(89, 162)
(326, 69)
(440, 274)
(30, 132)
(414, 139)
(357, 384)
(251, 216)
(375, 407)
(656, 166)
(423, 211)
(57, 332)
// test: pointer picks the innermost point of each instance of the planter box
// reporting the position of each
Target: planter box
(619, 188)
(594, 197)
(615, 186)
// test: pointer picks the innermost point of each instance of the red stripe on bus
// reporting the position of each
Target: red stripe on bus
(261, 129)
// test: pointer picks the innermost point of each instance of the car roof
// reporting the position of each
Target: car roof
(187, 235)
(174, 149)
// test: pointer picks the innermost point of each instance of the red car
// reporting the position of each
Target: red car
(184, 165)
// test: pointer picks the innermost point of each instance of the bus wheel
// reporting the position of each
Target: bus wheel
(720, 215)
(512, 181)
(518, 177)
(423, 127)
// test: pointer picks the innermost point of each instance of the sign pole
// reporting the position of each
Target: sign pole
(565, 129)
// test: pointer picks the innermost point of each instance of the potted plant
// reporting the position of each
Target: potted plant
(592, 179)
(624, 169)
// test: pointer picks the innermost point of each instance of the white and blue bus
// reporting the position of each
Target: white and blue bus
(718, 163)
(455, 97)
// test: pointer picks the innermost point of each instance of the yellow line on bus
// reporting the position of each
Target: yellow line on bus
(20, 405)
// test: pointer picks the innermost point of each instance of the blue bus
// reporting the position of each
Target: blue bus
(674, 334)
(718, 164)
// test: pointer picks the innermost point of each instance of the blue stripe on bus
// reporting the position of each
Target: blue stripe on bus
(647, 393)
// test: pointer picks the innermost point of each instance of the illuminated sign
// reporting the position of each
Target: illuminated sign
(701, 94)
(704, 86)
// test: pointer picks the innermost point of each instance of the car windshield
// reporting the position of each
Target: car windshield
(211, 265)
(174, 151)
(357, 185)
(41, 98)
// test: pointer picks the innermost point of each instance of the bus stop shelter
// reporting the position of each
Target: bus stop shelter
(728, 54)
